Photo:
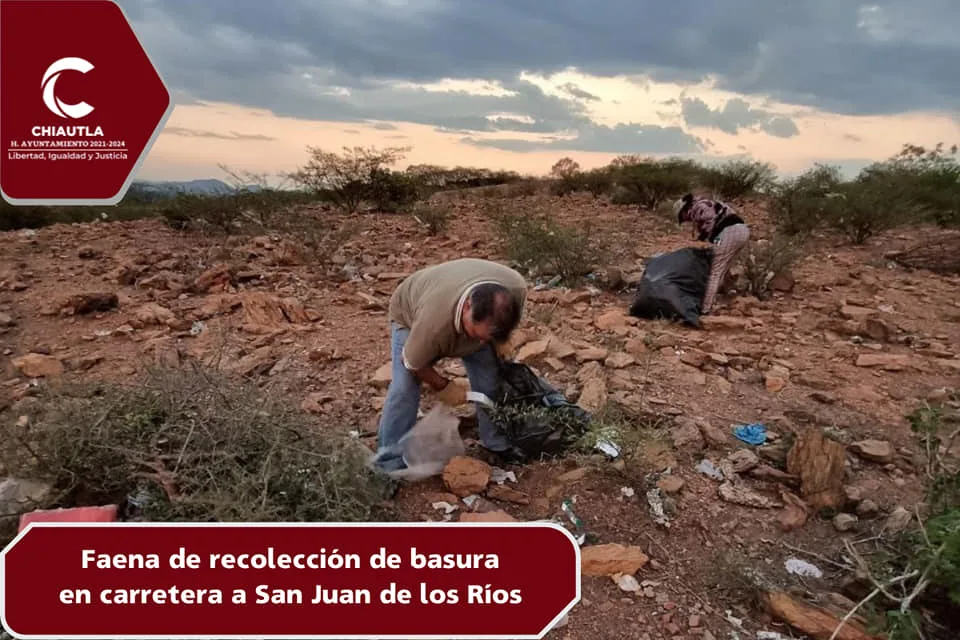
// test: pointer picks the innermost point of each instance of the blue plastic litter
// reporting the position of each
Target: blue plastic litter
(755, 434)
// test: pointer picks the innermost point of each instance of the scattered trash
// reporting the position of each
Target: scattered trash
(628, 583)
(197, 328)
(580, 534)
(103, 333)
(737, 493)
(755, 434)
(608, 448)
(838, 434)
(136, 503)
(469, 500)
(354, 433)
(500, 476)
(655, 500)
(771, 635)
(729, 617)
(709, 469)
(553, 283)
(799, 567)
(627, 492)
(428, 446)
(444, 506)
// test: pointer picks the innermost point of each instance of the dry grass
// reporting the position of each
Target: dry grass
(189, 445)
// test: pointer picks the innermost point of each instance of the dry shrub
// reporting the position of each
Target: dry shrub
(433, 217)
(940, 255)
(542, 246)
(738, 178)
(521, 188)
(190, 445)
(321, 236)
(765, 259)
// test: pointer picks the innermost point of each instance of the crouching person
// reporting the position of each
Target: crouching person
(717, 223)
(464, 308)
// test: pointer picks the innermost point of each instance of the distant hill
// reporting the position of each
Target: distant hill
(208, 186)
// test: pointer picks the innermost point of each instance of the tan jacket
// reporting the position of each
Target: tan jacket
(430, 303)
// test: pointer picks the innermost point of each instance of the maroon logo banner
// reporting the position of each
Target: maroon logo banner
(221, 580)
(80, 102)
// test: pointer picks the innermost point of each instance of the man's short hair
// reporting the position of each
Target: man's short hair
(494, 302)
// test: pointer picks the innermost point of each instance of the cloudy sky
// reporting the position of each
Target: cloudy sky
(520, 83)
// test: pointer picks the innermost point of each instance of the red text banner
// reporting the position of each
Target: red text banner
(80, 102)
(219, 580)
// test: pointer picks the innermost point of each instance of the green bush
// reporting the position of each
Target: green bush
(915, 575)
(565, 177)
(540, 245)
(930, 178)
(871, 204)
(597, 181)
(798, 205)
(391, 191)
(647, 183)
(738, 178)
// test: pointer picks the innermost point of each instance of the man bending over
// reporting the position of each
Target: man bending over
(464, 308)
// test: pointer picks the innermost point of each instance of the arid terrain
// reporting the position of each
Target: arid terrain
(849, 343)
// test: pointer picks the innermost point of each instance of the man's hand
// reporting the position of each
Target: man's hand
(455, 393)
(508, 348)
(505, 349)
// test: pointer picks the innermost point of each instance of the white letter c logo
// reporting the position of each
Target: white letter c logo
(50, 80)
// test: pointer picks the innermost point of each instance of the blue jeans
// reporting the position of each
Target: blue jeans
(403, 400)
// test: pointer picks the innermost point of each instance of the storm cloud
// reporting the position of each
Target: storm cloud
(353, 60)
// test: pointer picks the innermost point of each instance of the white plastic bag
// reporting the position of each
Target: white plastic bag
(430, 445)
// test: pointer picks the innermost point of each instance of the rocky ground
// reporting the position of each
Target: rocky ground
(849, 345)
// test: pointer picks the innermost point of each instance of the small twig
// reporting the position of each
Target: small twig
(183, 449)
(813, 554)
(853, 611)
(863, 567)
(666, 554)
(923, 529)
(924, 579)
(949, 443)
(870, 596)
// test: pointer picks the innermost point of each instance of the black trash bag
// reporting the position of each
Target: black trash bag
(536, 418)
(673, 285)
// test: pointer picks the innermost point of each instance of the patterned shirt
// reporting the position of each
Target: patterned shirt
(703, 213)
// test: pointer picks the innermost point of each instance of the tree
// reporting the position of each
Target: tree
(565, 169)
(345, 178)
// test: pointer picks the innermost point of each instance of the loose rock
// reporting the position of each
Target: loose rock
(845, 522)
(867, 509)
(670, 484)
(686, 435)
(611, 559)
(37, 365)
(875, 450)
(465, 476)
(743, 460)
(899, 520)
